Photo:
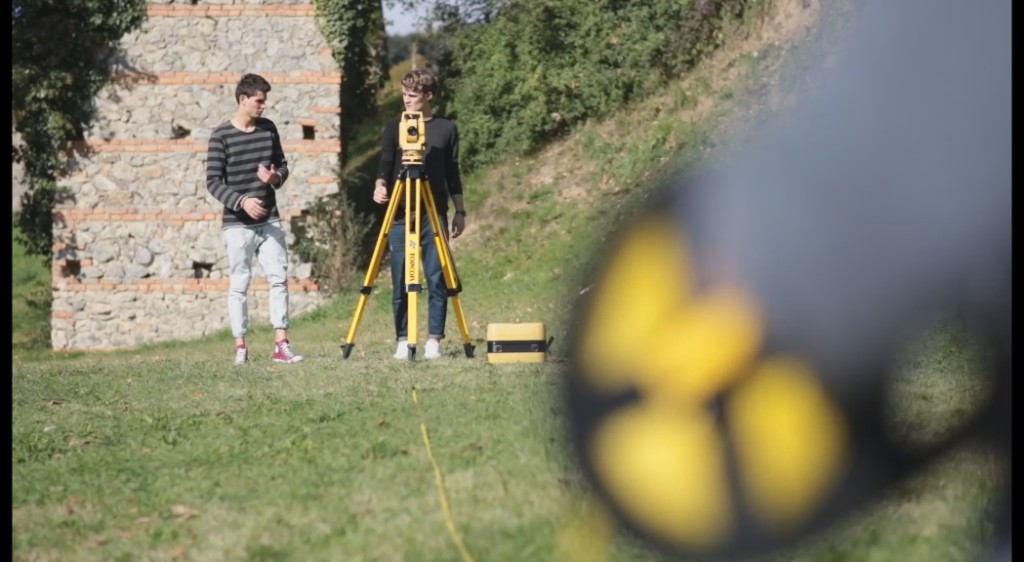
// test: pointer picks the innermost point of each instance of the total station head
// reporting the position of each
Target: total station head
(412, 137)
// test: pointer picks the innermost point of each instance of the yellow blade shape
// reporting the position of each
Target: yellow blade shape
(646, 281)
(791, 441)
(701, 349)
(664, 468)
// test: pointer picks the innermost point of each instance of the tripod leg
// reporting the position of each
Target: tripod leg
(451, 277)
(412, 259)
(371, 273)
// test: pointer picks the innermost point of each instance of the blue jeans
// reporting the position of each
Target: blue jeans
(432, 277)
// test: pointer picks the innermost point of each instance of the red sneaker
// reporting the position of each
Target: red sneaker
(283, 353)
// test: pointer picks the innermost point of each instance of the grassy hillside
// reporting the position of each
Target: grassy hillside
(169, 452)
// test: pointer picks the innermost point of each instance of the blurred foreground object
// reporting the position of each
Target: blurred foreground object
(729, 368)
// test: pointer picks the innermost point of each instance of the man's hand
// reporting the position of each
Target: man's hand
(268, 174)
(254, 208)
(380, 192)
(458, 225)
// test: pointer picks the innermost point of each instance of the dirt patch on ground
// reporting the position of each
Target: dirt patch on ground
(792, 19)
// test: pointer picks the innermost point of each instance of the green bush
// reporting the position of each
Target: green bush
(31, 299)
(333, 234)
(543, 66)
(52, 89)
(354, 29)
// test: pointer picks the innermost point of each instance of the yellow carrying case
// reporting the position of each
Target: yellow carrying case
(516, 343)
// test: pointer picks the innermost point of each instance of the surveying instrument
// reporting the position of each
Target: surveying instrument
(413, 186)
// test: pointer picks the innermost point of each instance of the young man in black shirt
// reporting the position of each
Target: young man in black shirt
(441, 167)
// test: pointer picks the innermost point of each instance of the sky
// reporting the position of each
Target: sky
(398, 21)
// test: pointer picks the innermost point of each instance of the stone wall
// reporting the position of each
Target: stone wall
(138, 256)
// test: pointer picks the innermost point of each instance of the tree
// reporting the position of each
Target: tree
(541, 67)
(428, 46)
(61, 51)
(354, 29)
(441, 12)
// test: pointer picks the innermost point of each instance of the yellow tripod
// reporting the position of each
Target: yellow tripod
(412, 186)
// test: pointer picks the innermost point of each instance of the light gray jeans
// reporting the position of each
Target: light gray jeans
(266, 242)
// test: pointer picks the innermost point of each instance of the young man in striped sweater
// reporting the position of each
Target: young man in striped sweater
(245, 166)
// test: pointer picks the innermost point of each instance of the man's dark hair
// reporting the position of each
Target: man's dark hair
(249, 85)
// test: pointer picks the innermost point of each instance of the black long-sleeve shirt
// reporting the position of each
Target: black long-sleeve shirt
(440, 159)
(232, 159)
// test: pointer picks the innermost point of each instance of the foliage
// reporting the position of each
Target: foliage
(465, 11)
(334, 233)
(53, 83)
(333, 230)
(354, 29)
(168, 452)
(541, 67)
(444, 19)
(340, 231)
(468, 11)
(428, 46)
(506, 68)
(30, 298)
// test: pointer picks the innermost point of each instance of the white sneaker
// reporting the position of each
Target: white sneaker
(402, 350)
(432, 350)
(241, 355)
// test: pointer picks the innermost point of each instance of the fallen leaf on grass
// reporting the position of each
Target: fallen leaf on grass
(53, 402)
(69, 505)
(98, 540)
(179, 552)
(183, 512)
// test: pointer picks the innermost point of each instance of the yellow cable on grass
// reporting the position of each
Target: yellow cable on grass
(442, 495)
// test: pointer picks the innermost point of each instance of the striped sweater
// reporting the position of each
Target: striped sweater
(232, 159)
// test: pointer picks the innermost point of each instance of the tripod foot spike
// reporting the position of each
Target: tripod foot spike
(346, 350)
(412, 352)
(469, 349)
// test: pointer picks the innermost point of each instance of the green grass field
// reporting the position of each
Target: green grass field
(169, 452)
(172, 453)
